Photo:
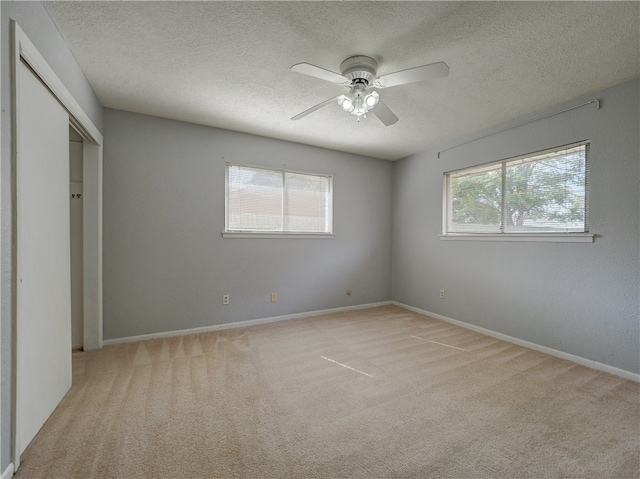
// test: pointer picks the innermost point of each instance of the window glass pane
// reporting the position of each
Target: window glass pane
(306, 203)
(475, 200)
(254, 199)
(547, 193)
(260, 200)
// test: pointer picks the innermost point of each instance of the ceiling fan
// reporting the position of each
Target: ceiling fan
(358, 73)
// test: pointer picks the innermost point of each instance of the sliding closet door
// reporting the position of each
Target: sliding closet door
(43, 257)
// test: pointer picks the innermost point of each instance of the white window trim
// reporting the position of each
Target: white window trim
(523, 237)
(275, 234)
(569, 237)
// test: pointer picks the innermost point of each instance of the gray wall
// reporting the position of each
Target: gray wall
(166, 265)
(580, 298)
(35, 22)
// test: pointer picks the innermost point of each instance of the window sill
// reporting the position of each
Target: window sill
(535, 238)
(278, 235)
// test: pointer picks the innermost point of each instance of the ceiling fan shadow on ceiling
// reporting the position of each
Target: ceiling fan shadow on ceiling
(358, 74)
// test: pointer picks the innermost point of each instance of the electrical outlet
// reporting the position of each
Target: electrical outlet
(225, 299)
(274, 297)
(442, 294)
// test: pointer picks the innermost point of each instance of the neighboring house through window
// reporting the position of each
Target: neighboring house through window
(260, 200)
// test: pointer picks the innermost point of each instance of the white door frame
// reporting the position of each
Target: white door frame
(1, 444)
(24, 50)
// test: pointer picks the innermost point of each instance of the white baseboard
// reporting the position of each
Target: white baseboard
(239, 324)
(8, 472)
(520, 342)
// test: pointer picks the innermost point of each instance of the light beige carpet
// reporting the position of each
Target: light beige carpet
(377, 393)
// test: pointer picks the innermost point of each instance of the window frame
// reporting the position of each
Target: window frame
(559, 236)
(276, 234)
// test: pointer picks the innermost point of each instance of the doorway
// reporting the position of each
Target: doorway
(75, 220)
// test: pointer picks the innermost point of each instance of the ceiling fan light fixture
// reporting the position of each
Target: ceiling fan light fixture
(347, 104)
(371, 99)
(360, 108)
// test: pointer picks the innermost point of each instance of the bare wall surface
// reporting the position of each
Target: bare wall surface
(166, 265)
(579, 298)
(35, 22)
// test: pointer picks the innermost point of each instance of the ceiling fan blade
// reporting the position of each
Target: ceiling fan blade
(384, 114)
(317, 72)
(317, 107)
(412, 75)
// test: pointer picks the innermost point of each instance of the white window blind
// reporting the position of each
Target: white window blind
(544, 192)
(262, 200)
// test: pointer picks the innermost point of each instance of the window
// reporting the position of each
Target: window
(275, 201)
(545, 192)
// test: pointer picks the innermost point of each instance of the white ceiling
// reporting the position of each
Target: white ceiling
(226, 64)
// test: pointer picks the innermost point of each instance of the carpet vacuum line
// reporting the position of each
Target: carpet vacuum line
(436, 342)
(345, 366)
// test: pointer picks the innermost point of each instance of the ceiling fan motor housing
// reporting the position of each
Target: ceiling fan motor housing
(359, 68)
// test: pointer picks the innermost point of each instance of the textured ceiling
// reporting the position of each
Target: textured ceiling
(226, 64)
